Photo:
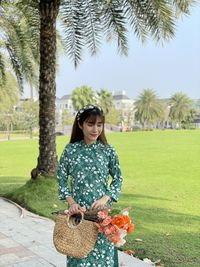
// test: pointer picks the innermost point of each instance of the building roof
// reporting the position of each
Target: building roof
(120, 97)
(66, 97)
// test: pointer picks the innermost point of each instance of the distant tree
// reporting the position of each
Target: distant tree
(8, 99)
(180, 106)
(105, 100)
(27, 117)
(67, 118)
(82, 96)
(9, 93)
(148, 108)
(188, 121)
(113, 116)
(163, 120)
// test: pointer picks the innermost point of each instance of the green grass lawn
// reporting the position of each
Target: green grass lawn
(161, 171)
(14, 135)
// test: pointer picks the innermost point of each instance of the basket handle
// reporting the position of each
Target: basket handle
(75, 219)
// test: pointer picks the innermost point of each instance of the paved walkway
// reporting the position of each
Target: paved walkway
(26, 240)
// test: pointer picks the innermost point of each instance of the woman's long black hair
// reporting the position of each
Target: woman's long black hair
(88, 113)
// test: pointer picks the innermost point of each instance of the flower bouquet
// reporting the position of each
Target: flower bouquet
(115, 227)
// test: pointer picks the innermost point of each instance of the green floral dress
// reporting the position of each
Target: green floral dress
(89, 168)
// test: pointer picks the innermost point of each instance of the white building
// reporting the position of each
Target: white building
(122, 101)
(64, 103)
(126, 107)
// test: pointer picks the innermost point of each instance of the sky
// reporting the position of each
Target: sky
(168, 68)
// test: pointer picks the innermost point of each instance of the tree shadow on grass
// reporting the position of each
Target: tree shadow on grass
(158, 214)
(11, 183)
(13, 179)
(173, 237)
(140, 196)
(180, 249)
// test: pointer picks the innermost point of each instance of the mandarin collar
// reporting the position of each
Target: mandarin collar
(92, 145)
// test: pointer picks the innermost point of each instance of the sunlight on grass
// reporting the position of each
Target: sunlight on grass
(161, 183)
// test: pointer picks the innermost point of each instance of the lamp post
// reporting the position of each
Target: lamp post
(9, 124)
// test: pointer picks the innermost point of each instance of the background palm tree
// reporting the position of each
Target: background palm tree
(105, 100)
(18, 48)
(8, 93)
(82, 96)
(148, 108)
(8, 98)
(85, 24)
(180, 107)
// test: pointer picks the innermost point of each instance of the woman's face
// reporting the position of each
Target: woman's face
(92, 130)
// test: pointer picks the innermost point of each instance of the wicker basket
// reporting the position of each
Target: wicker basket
(73, 235)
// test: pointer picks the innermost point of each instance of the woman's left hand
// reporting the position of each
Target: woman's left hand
(100, 203)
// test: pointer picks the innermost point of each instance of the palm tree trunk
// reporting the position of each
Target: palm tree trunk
(47, 160)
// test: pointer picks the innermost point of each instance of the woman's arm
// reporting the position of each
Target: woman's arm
(62, 176)
(114, 170)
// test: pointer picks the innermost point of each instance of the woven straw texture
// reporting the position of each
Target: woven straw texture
(73, 236)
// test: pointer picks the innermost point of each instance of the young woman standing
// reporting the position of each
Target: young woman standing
(89, 161)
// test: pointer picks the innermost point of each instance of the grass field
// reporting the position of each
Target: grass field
(161, 171)
(14, 135)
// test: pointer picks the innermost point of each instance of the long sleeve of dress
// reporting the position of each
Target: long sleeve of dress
(114, 170)
(62, 175)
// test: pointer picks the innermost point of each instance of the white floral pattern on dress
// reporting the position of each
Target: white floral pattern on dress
(87, 168)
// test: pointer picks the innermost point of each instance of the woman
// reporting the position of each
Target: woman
(89, 161)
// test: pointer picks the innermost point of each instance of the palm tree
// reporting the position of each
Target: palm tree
(17, 48)
(8, 93)
(105, 100)
(148, 108)
(8, 98)
(85, 24)
(180, 106)
(82, 96)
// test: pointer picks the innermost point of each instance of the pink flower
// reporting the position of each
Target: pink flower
(102, 214)
(106, 221)
(110, 229)
(116, 227)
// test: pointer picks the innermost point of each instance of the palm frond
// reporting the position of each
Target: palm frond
(85, 22)
(92, 26)
(114, 23)
(2, 70)
(15, 65)
(183, 6)
(18, 39)
(72, 14)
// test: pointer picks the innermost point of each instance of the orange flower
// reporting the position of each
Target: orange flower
(121, 221)
(131, 228)
(129, 252)
(118, 220)
(115, 228)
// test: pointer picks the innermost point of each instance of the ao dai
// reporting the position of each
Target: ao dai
(83, 173)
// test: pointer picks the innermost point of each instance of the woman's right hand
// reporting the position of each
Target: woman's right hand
(75, 208)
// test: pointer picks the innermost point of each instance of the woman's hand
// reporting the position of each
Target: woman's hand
(75, 208)
(100, 203)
